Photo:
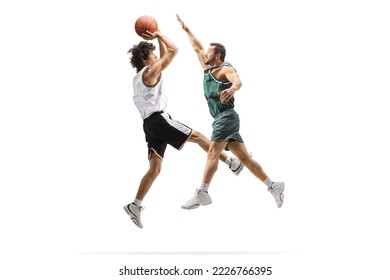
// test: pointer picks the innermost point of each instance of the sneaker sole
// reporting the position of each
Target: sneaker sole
(132, 216)
(194, 206)
(281, 197)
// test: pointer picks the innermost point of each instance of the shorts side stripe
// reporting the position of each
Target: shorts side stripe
(179, 126)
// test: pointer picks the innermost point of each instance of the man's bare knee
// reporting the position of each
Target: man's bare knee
(212, 153)
(198, 137)
(154, 171)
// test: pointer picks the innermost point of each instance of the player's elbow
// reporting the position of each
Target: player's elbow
(197, 49)
(173, 50)
(237, 84)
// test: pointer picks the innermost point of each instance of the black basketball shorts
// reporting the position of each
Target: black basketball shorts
(160, 129)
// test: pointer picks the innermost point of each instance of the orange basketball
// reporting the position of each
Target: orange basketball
(145, 23)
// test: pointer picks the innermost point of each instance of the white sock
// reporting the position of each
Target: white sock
(228, 161)
(268, 182)
(204, 187)
(137, 202)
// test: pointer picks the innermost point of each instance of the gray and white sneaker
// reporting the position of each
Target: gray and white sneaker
(134, 211)
(201, 197)
(235, 166)
(276, 190)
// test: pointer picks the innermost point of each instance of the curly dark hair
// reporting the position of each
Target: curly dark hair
(140, 52)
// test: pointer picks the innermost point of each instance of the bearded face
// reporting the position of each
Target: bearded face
(210, 56)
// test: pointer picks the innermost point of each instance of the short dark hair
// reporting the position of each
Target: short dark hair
(139, 53)
(219, 48)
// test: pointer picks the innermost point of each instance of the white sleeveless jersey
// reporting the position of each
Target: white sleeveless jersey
(148, 99)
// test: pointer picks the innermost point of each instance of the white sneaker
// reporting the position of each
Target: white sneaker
(276, 190)
(134, 211)
(235, 166)
(201, 197)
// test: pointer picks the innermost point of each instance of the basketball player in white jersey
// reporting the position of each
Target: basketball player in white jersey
(159, 127)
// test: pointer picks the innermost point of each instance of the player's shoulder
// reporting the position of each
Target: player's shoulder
(227, 67)
(226, 64)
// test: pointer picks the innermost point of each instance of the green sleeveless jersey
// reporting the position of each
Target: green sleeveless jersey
(211, 87)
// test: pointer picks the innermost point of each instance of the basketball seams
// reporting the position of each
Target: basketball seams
(146, 22)
(139, 26)
(151, 26)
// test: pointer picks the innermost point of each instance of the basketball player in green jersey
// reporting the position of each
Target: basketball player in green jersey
(220, 83)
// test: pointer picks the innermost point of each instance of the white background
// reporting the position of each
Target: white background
(313, 109)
